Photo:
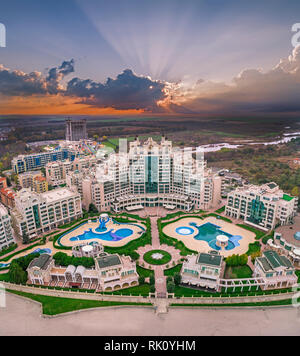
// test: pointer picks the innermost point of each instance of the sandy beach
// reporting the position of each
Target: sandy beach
(22, 317)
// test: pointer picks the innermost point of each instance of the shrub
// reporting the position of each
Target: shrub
(177, 278)
(141, 280)
(171, 287)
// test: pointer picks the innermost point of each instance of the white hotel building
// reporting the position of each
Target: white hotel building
(36, 213)
(151, 175)
(262, 206)
(6, 232)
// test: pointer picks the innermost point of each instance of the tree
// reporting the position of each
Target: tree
(177, 278)
(93, 209)
(25, 238)
(16, 273)
(169, 279)
(152, 279)
(171, 287)
(141, 280)
(295, 192)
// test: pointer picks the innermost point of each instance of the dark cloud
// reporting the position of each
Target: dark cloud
(252, 91)
(127, 91)
(56, 75)
(18, 83)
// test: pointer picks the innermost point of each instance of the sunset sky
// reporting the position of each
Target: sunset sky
(192, 57)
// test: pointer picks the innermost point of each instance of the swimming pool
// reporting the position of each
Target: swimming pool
(208, 232)
(118, 235)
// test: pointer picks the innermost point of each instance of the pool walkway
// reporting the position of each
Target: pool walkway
(160, 278)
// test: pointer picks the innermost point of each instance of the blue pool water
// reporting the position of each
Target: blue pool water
(118, 235)
(208, 232)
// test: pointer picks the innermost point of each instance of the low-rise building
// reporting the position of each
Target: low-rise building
(276, 270)
(204, 270)
(26, 179)
(33, 180)
(262, 206)
(6, 231)
(111, 272)
(39, 270)
(36, 213)
(8, 197)
(40, 185)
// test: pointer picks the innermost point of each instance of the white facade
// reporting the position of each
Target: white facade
(262, 206)
(6, 231)
(150, 175)
(203, 270)
(36, 213)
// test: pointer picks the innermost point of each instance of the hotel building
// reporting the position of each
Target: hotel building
(111, 272)
(276, 271)
(6, 231)
(24, 163)
(36, 213)
(262, 206)
(33, 180)
(152, 175)
(204, 270)
(57, 172)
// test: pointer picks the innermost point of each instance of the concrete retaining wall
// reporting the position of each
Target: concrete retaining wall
(138, 299)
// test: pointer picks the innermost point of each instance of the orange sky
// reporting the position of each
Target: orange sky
(54, 105)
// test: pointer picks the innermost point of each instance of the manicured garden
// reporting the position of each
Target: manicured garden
(157, 257)
(236, 272)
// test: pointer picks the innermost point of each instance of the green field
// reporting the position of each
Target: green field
(56, 305)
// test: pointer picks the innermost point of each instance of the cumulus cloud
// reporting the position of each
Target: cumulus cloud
(252, 91)
(127, 91)
(18, 83)
(56, 75)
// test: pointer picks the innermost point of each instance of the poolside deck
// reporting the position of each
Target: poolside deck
(190, 242)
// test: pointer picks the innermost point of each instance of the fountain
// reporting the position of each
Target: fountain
(103, 220)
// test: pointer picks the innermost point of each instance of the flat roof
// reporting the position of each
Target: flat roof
(105, 261)
(41, 262)
(287, 197)
(58, 194)
(210, 259)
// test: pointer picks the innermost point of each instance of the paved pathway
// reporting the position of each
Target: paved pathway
(160, 278)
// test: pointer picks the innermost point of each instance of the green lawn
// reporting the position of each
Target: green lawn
(56, 305)
(259, 234)
(238, 272)
(4, 277)
(172, 271)
(143, 272)
(163, 261)
(260, 304)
